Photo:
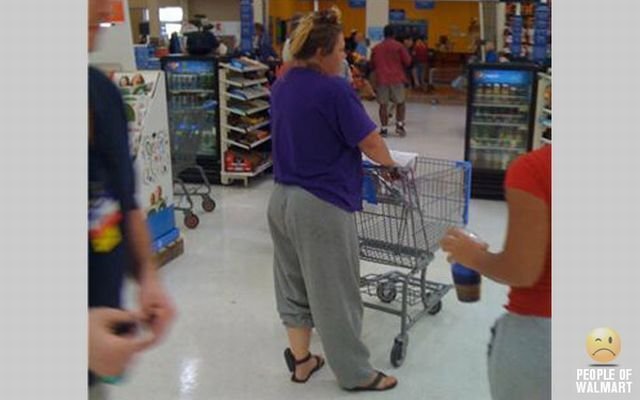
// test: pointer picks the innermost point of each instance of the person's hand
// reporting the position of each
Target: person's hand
(110, 353)
(156, 306)
(391, 174)
(462, 248)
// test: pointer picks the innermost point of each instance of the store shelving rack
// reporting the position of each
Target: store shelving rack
(243, 96)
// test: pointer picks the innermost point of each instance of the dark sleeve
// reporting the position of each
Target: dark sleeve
(353, 121)
(267, 49)
(112, 141)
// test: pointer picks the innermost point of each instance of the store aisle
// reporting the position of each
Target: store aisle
(227, 342)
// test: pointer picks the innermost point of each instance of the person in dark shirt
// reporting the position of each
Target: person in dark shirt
(118, 237)
(491, 56)
(262, 44)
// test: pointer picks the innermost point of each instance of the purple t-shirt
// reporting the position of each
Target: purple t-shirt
(317, 123)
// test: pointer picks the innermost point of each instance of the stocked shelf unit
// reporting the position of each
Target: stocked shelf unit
(542, 130)
(244, 120)
(527, 30)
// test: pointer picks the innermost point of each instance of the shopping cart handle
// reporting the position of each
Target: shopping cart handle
(396, 168)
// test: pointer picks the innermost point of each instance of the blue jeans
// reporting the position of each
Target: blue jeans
(419, 71)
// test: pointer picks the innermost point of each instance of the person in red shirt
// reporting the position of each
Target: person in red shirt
(389, 59)
(420, 61)
(519, 362)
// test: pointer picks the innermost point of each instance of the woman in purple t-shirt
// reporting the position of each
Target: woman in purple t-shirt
(320, 129)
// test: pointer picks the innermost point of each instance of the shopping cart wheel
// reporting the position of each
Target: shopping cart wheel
(191, 220)
(386, 292)
(399, 350)
(208, 204)
(436, 308)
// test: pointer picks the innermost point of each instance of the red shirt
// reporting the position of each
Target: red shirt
(421, 53)
(532, 173)
(389, 60)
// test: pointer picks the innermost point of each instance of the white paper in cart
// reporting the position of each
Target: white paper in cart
(392, 189)
(402, 158)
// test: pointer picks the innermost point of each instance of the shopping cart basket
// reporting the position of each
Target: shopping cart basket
(406, 211)
(185, 144)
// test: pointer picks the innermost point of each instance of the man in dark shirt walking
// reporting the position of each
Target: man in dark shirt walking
(389, 59)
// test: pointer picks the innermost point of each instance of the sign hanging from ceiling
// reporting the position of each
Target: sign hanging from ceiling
(425, 4)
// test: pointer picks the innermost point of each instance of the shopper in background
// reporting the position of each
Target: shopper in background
(262, 44)
(519, 362)
(420, 61)
(320, 129)
(345, 72)
(444, 45)
(286, 48)
(490, 56)
(118, 235)
(408, 43)
(351, 43)
(361, 45)
(234, 50)
(388, 61)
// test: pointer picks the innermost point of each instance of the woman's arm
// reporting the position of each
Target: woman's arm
(374, 147)
(522, 260)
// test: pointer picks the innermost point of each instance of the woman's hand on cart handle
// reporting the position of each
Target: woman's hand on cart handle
(374, 147)
(392, 174)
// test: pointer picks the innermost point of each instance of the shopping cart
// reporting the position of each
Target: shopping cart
(185, 144)
(406, 211)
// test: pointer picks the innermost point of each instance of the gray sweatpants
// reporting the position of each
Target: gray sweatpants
(317, 273)
(519, 362)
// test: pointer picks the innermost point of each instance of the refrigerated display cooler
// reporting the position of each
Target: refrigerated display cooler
(193, 105)
(500, 122)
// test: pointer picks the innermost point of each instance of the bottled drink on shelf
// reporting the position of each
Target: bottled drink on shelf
(505, 158)
(479, 163)
(473, 156)
(515, 141)
(547, 97)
